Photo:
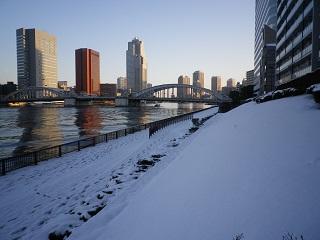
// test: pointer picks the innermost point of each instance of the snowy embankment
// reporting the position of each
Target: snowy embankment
(59, 195)
(254, 170)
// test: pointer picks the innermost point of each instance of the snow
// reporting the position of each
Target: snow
(254, 170)
(55, 195)
(316, 87)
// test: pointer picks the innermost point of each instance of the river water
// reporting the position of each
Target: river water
(24, 129)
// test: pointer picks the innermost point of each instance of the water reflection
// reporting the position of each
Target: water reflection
(88, 120)
(39, 128)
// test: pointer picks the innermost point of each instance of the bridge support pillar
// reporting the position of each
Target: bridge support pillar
(69, 102)
(121, 102)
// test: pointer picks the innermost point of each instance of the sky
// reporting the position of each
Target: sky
(180, 36)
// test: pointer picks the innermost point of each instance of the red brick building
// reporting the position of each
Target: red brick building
(87, 71)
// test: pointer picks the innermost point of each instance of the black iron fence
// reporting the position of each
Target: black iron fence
(32, 158)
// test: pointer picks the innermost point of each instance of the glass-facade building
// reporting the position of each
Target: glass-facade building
(298, 39)
(36, 59)
(265, 20)
(136, 66)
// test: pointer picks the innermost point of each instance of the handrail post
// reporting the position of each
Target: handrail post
(116, 134)
(106, 137)
(60, 151)
(93, 141)
(125, 132)
(3, 167)
(78, 145)
(35, 158)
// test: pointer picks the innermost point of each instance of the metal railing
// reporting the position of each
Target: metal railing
(32, 158)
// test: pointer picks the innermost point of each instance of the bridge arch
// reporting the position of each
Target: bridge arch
(38, 93)
(149, 92)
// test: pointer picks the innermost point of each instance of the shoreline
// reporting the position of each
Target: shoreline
(32, 158)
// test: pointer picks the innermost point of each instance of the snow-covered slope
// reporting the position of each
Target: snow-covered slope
(59, 195)
(254, 170)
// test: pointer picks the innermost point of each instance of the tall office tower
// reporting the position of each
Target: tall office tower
(268, 61)
(216, 84)
(198, 81)
(231, 83)
(36, 59)
(298, 39)
(87, 71)
(122, 83)
(265, 21)
(183, 92)
(136, 66)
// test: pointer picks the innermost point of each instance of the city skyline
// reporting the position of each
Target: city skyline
(162, 35)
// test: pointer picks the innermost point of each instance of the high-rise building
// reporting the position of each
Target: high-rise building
(36, 59)
(122, 83)
(198, 81)
(136, 66)
(249, 80)
(264, 45)
(183, 92)
(87, 71)
(231, 83)
(298, 39)
(216, 84)
(268, 61)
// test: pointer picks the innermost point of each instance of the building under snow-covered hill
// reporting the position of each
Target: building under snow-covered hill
(254, 170)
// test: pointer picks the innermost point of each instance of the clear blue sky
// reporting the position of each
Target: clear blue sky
(180, 36)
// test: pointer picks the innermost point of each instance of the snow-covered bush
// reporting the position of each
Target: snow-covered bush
(264, 98)
(315, 91)
(310, 89)
(288, 92)
(278, 94)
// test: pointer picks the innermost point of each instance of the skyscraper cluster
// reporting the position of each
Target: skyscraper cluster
(37, 65)
(198, 80)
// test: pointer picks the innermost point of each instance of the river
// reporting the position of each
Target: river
(28, 128)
